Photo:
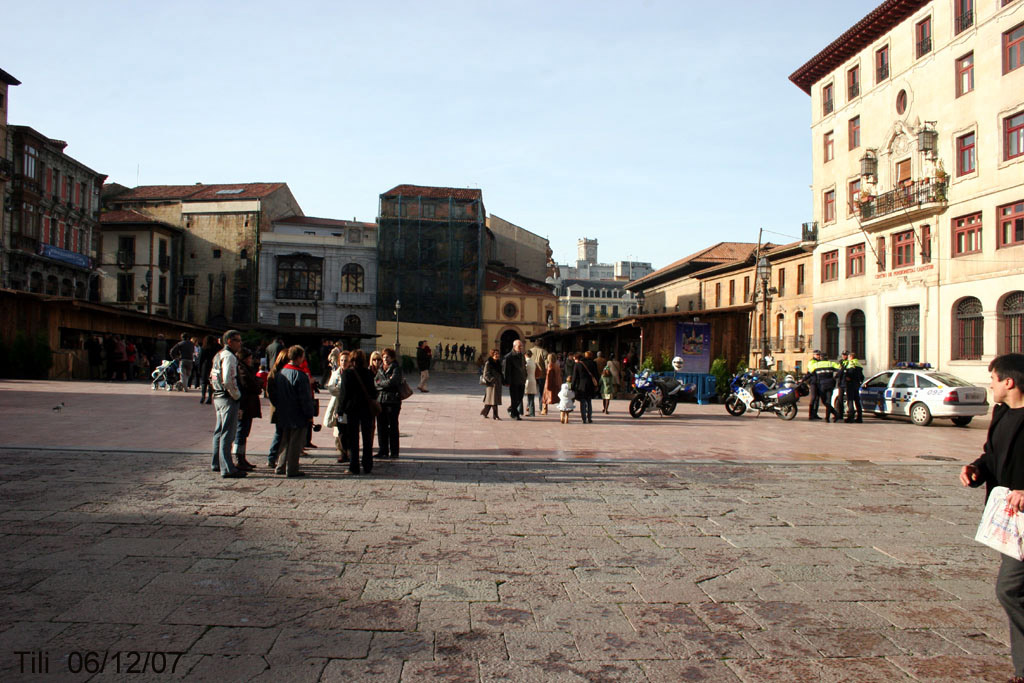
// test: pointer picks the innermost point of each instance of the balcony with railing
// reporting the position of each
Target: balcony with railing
(881, 73)
(964, 21)
(924, 46)
(852, 90)
(910, 202)
(299, 294)
(788, 344)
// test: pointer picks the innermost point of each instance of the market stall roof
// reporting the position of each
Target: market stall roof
(632, 320)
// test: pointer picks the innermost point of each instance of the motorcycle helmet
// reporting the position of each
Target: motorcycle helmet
(677, 364)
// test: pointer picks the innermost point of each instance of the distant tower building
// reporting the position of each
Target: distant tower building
(586, 251)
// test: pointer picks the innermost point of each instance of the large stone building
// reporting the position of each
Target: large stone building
(918, 180)
(588, 301)
(319, 272)
(138, 273)
(223, 225)
(587, 267)
(514, 307)
(50, 238)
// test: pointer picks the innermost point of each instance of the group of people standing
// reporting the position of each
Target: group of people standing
(455, 352)
(556, 380)
(832, 383)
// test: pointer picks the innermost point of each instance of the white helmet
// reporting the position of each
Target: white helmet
(677, 364)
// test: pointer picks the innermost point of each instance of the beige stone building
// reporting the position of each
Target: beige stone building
(672, 289)
(918, 183)
(222, 224)
(514, 307)
(138, 273)
(790, 316)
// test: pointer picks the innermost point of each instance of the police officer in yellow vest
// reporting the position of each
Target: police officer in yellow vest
(850, 378)
(822, 382)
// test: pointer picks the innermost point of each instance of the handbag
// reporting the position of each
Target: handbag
(404, 390)
(1002, 527)
(594, 379)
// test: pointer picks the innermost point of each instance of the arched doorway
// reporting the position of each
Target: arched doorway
(507, 337)
(830, 323)
(857, 334)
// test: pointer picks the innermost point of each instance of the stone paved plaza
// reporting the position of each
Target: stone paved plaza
(678, 549)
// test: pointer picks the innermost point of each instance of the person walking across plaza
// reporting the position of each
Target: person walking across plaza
(293, 402)
(851, 377)
(492, 381)
(423, 364)
(226, 395)
(248, 407)
(206, 356)
(513, 373)
(552, 384)
(275, 367)
(184, 352)
(388, 381)
(607, 389)
(1002, 464)
(585, 384)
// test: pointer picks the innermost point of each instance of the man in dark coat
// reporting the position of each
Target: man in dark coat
(423, 358)
(293, 408)
(1002, 464)
(513, 370)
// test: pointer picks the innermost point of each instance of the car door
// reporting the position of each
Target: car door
(901, 393)
(872, 391)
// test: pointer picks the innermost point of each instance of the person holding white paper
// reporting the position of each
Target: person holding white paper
(1002, 464)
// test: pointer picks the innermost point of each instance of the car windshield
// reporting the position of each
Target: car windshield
(950, 380)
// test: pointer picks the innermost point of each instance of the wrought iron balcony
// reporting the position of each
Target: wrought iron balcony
(965, 21)
(852, 90)
(914, 200)
(828, 105)
(924, 46)
(882, 73)
(300, 294)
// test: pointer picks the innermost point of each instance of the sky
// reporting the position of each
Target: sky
(656, 127)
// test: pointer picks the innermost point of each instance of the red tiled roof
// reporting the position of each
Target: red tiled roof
(723, 252)
(199, 192)
(880, 21)
(494, 281)
(324, 222)
(433, 192)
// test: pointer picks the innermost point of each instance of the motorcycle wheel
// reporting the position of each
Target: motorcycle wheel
(637, 407)
(668, 407)
(735, 406)
(787, 413)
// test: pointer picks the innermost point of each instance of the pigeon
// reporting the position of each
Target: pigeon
(57, 409)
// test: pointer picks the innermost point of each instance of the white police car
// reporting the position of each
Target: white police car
(916, 391)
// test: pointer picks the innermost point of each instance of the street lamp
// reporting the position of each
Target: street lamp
(764, 273)
(398, 307)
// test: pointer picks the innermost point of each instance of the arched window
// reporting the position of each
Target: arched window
(52, 285)
(857, 333)
(800, 340)
(353, 278)
(352, 323)
(1013, 323)
(830, 323)
(299, 277)
(968, 330)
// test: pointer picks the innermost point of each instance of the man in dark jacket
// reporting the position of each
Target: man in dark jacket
(513, 370)
(293, 407)
(423, 365)
(184, 352)
(850, 379)
(1002, 464)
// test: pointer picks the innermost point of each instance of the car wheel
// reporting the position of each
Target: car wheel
(735, 406)
(637, 407)
(962, 421)
(920, 415)
(668, 407)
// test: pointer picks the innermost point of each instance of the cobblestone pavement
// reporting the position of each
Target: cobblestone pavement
(466, 569)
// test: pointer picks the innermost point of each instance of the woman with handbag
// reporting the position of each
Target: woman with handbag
(337, 360)
(389, 383)
(491, 379)
(552, 384)
(584, 384)
(357, 402)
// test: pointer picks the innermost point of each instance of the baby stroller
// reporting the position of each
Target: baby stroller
(166, 375)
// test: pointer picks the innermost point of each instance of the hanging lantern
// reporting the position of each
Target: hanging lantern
(869, 165)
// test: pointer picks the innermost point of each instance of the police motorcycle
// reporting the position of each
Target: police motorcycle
(659, 393)
(753, 391)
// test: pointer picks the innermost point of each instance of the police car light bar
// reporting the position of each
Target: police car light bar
(909, 365)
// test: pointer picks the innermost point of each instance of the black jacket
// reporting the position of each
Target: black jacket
(582, 384)
(387, 383)
(994, 469)
(513, 369)
(422, 359)
(357, 389)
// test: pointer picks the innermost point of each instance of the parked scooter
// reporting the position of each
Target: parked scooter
(752, 391)
(661, 393)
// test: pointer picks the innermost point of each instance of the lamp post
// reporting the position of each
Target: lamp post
(398, 348)
(764, 273)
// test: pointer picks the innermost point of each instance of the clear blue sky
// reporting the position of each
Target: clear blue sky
(657, 127)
